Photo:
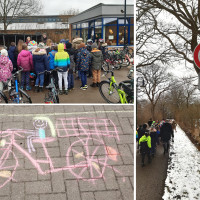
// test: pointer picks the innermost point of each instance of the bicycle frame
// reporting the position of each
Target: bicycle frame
(121, 93)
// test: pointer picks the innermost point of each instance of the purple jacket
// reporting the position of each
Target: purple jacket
(6, 68)
(25, 60)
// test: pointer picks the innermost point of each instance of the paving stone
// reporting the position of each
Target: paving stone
(57, 181)
(126, 188)
(87, 196)
(126, 154)
(126, 170)
(17, 191)
(31, 197)
(38, 187)
(92, 185)
(26, 175)
(53, 197)
(114, 195)
(73, 192)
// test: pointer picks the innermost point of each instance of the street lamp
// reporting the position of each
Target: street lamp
(124, 24)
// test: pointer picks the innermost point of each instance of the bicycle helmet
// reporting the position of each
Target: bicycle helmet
(89, 41)
(101, 40)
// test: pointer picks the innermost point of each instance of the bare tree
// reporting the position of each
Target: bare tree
(11, 9)
(157, 81)
(175, 22)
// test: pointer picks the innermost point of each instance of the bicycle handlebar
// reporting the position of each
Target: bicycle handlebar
(50, 71)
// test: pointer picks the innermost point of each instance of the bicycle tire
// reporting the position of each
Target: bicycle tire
(3, 98)
(24, 98)
(105, 66)
(108, 96)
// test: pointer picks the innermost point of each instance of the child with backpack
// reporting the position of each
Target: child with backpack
(40, 62)
(25, 61)
(62, 61)
(71, 52)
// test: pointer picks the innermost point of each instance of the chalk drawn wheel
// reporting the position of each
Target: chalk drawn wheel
(8, 165)
(87, 161)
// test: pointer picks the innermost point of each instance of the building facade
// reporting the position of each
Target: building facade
(104, 21)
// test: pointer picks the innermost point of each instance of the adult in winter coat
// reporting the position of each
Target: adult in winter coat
(145, 147)
(62, 61)
(40, 62)
(71, 53)
(25, 61)
(12, 53)
(83, 63)
(166, 132)
(6, 67)
(96, 63)
(153, 134)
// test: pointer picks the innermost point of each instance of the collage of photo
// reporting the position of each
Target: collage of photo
(99, 100)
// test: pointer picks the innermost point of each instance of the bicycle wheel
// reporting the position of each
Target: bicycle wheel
(110, 94)
(24, 98)
(105, 66)
(3, 98)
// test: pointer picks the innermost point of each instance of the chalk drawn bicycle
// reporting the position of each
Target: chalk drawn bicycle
(88, 164)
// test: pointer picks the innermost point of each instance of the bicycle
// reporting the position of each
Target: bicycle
(85, 165)
(16, 94)
(114, 93)
(52, 96)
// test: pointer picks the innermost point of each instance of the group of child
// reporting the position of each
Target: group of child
(65, 57)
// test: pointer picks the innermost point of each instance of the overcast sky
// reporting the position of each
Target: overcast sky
(54, 7)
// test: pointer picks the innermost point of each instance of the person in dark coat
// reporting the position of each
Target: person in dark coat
(96, 63)
(150, 122)
(142, 131)
(12, 53)
(40, 62)
(153, 135)
(83, 62)
(71, 53)
(166, 132)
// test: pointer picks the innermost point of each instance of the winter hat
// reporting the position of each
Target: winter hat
(4, 52)
(68, 45)
(94, 45)
(41, 45)
(62, 41)
(82, 45)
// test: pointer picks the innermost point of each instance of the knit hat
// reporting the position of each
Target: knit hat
(41, 45)
(94, 45)
(62, 41)
(4, 52)
(82, 45)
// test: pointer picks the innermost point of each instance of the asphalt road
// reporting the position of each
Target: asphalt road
(91, 95)
(150, 179)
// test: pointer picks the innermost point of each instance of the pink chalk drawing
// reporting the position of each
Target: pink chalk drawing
(86, 158)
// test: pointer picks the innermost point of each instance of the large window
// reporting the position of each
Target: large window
(131, 35)
(111, 35)
(121, 35)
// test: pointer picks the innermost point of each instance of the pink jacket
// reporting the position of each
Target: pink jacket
(25, 60)
(6, 68)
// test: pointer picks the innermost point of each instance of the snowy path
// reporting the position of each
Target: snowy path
(183, 174)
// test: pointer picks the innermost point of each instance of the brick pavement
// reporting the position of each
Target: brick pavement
(107, 174)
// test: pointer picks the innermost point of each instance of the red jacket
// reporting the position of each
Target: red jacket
(25, 60)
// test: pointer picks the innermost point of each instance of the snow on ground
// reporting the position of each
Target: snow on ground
(183, 175)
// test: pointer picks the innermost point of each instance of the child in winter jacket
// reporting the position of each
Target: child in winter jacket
(83, 63)
(96, 62)
(62, 61)
(145, 147)
(12, 53)
(51, 57)
(25, 61)
(71, 52)
(6, 68)
(40, 62)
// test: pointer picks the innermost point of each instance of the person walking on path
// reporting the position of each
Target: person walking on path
(83, 63)
(62, 60)
(166, 133)
(25, 61)
(96, 63)
(145, 147)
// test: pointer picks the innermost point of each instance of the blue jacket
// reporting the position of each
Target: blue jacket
(51, 57)
(40, 61)
(83, 59)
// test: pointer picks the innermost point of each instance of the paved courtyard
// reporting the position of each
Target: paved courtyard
(70, 152)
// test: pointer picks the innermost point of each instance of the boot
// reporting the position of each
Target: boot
(60, 92)
(40, 89)
(36, 89)
(66, 92)
(93, 85)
